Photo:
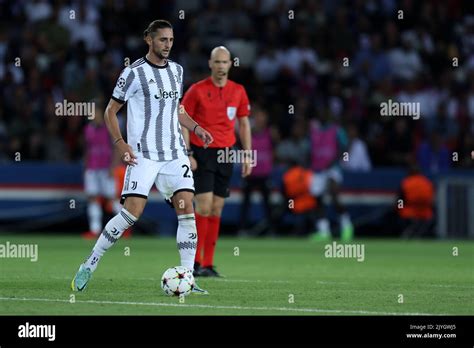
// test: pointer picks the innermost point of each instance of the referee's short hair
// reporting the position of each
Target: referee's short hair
(155, 25)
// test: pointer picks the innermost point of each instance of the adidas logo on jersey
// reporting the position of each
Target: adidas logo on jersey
(151, 81)
(165, 95)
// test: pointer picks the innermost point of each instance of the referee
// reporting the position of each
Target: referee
(214, 103)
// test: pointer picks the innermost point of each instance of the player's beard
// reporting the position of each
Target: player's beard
(160, 55)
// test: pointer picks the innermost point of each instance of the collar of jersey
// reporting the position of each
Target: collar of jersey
(156, 66)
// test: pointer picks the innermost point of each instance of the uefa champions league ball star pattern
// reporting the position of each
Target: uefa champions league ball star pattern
(177, 281)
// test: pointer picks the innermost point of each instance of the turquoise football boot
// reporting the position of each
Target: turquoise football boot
(81, 279)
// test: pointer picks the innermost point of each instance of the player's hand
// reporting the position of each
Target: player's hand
(247, 164)
(204, 135)
(126, 153)
(193, 162)
(246, 169)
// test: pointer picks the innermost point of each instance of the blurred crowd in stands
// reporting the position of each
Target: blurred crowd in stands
(298, 59)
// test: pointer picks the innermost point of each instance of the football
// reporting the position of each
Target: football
(177, 281)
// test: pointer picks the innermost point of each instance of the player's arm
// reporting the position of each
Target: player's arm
(187, 122)
(187, 142)
(116, 161)
(245, 135)
(110, 117)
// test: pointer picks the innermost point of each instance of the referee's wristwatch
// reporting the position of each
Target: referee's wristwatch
(189, 152)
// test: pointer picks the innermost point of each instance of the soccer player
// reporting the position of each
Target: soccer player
(98, 181)
(328, 142)
(155, 152)
(215, 102)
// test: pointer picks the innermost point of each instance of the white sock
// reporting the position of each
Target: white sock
(323, 227)
(94, 214)
(345, 220)
(111, 233)
(186, 239)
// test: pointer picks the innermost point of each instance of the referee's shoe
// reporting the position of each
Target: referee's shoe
(208, 271)
(197, 269)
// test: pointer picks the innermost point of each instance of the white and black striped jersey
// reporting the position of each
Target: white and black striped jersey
(153, 93)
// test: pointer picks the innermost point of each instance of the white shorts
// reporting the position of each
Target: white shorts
(99, 182)
(169, 177)
(319, 181)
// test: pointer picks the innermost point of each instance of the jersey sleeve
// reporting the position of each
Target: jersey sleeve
(190, 100)
(244, 106)
(125, 87)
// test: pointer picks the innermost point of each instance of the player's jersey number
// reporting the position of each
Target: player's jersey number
(186, 173)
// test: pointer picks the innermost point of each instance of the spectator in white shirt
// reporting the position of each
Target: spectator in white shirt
(357, 159)
(405, 62)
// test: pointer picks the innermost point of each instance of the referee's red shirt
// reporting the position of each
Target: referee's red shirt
(215, 109)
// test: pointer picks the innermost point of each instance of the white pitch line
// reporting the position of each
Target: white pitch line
(449, 286)
(158, 304)
(286, 282)
(269, 281)
(209, 278)
(232, 280)
(316, 282)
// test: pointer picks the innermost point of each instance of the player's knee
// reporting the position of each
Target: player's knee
(203, 211)
(183, 203)
(216, 211)
(204, 203)
(184, 206)
(204, 208)
(217, 206)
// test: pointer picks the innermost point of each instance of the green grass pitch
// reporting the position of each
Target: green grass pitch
(284, 276)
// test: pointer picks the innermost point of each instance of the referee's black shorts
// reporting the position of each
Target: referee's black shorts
(210, 175)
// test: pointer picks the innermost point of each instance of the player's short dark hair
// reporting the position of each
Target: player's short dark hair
(155, 25)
